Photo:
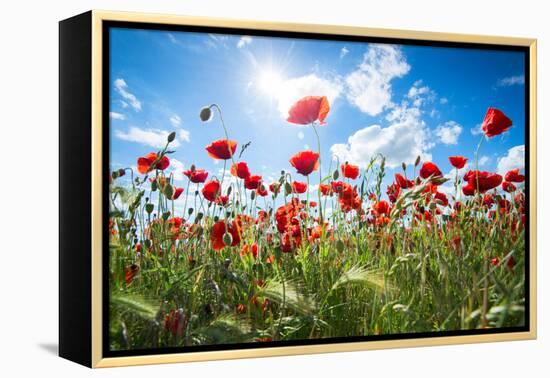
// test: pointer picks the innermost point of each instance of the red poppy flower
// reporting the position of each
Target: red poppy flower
(299, 187)
(275, 187)
(382, 207)
(403, 182)
(211, 190)
(175, 322)
(219, 229)
(240, 170)
(442, 198)
(262, 216)
(350, 171)
(348, 198)
(469, 190)
(261, 191)
(337, 186)
(508, 187)
(130, 272)
(197, 176)
(495, 123)
(285, 216)
(325, 189)
(514, 176)
(252, 182)
(246, 249)
(488, 200)
(138, 247)
(175, 222)
(221, 149)
(305, 162)
(222, 200)
(147, 163)
(483, 181)
(177, 193)
(429, 169)
(290, 242)
(308, 110)
(458, 161)
(393, 191)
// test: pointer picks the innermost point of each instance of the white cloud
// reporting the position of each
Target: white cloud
(443, 100)
(243, 41)
(511, 80)
(176, 168)
(484, 160)
(368, 87)
(406, 138)
(115, 115)
(448, 132)
(151, 137)
(122, 89)
(399, 143)
(301, 135)
(420, 94)
(175, 120)
(343, 52)
(514, 159)
(476, 130)
(124, 104)
(290, 91)
(184, 135)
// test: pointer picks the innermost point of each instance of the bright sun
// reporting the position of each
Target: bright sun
(270, 82)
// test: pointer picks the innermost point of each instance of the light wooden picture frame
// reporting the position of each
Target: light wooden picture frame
(101, 271)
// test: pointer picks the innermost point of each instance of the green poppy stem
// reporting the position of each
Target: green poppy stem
(320, 173)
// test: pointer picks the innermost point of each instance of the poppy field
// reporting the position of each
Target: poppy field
(254, 261)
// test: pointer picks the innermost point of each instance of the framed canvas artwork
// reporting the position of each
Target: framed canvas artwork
(235, 189)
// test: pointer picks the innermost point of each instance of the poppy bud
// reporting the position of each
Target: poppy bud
(417, 161)
(192, 168)
(114, 175)
(149, 208)
(166, 215)
(206, 114)
(252, 195)
(169, 191)
(288, 188)
(335, 175)
(227, 239)
(190, 211)
(154, 186)
(229, 190)
(171, 137)
(121, 172)
(404, 166)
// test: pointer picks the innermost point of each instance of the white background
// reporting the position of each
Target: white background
(29, 189)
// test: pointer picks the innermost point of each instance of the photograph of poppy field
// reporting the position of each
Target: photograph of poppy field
(267, 189)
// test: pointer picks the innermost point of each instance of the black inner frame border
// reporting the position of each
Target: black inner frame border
(107, 25)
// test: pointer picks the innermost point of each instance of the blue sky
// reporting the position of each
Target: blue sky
(401, 101)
